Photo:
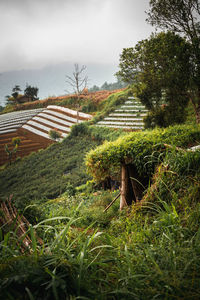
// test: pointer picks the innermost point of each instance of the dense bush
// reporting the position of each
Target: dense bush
(165, 116)
(54, 134)
(143, 149)
(177, 180)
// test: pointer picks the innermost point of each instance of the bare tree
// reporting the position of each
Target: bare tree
(78, 82)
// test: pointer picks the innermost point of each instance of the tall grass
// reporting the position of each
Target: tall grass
(151, 252)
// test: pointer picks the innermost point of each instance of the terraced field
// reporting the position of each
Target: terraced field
(11, 121)
(129, 116)
(32, 127)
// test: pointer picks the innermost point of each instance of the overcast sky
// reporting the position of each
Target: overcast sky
(35, 33)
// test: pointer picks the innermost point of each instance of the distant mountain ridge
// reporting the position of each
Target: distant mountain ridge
(51, 80)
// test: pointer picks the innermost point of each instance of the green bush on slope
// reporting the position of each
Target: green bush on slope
(143, 149)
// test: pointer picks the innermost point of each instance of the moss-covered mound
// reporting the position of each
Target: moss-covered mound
(143, 149)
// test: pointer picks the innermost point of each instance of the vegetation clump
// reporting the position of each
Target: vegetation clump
(14, 144)
(143, 149)
(54, 134)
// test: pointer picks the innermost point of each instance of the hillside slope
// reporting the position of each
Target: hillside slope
(148, 251)
(49, 173)
(89, 100)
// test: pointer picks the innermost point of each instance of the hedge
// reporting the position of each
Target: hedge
(143, 149)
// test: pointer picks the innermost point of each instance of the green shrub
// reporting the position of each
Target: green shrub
(165, 116)
(89, 107)
(55, 134)
(143, 149)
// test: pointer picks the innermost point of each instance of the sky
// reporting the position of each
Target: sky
(37, 33)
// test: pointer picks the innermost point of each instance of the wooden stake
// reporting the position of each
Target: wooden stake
(123, 187)
(112, 202)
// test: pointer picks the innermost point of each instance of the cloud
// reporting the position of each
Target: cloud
(12, 55)
(35, 33)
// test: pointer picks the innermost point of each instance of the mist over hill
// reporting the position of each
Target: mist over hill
(51, 80)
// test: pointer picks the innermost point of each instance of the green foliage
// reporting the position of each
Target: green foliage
(111, 103)
(176, 182)
(15, 143)
(140, 254)
(175, 15)
(143, 149)
(49, 170)
(15, 92)
(160, 70)
(89, 106)
(50, 272)
(165, 116)
(182, 17)
(190, 115)
(8, 108)
(54, 134)
(127, 72)
(31, 92)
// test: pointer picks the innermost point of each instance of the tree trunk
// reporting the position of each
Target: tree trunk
(136, 184)
(123, 202)
(131, 185)
(127, 194)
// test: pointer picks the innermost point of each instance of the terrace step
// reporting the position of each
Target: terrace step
(55, 119)
(132, 110)
(17, 114)
(123, 119)
(8, 130)
(70, 112)
(36, 131)
(9, 126)
(128, 116)
(49, 124)
(120, 123)
(121, 126)
(61, 116)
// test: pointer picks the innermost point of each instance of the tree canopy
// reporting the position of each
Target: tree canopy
(160, 69)
(15, 92)
(31, 92)
(182, 17)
